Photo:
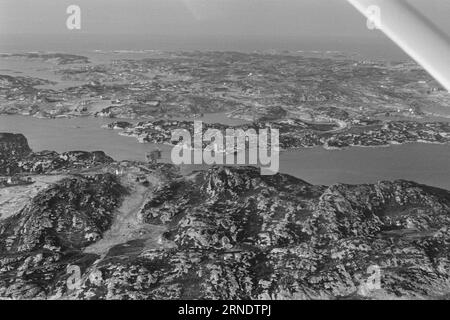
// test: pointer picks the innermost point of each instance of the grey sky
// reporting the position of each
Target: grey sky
(201, 17)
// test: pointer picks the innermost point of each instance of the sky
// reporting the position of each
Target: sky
(274, 18)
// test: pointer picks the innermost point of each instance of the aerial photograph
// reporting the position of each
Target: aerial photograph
(248, 150)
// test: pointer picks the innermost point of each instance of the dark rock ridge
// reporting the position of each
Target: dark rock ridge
(13, 147)
(50, 161)
(17, 157)
(280, 237)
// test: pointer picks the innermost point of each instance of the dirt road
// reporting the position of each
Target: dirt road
(126, 226)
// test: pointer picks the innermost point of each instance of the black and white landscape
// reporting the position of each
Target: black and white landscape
(92, 207)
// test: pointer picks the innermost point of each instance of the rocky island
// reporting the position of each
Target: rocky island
(296, 134)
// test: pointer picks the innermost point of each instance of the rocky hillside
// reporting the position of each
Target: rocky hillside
(37, 243)
(234, 235)
(240, 235)
(12, 148)
(51, 161)
(17, 157)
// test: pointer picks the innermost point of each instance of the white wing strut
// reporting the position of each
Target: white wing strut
(413, 33)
